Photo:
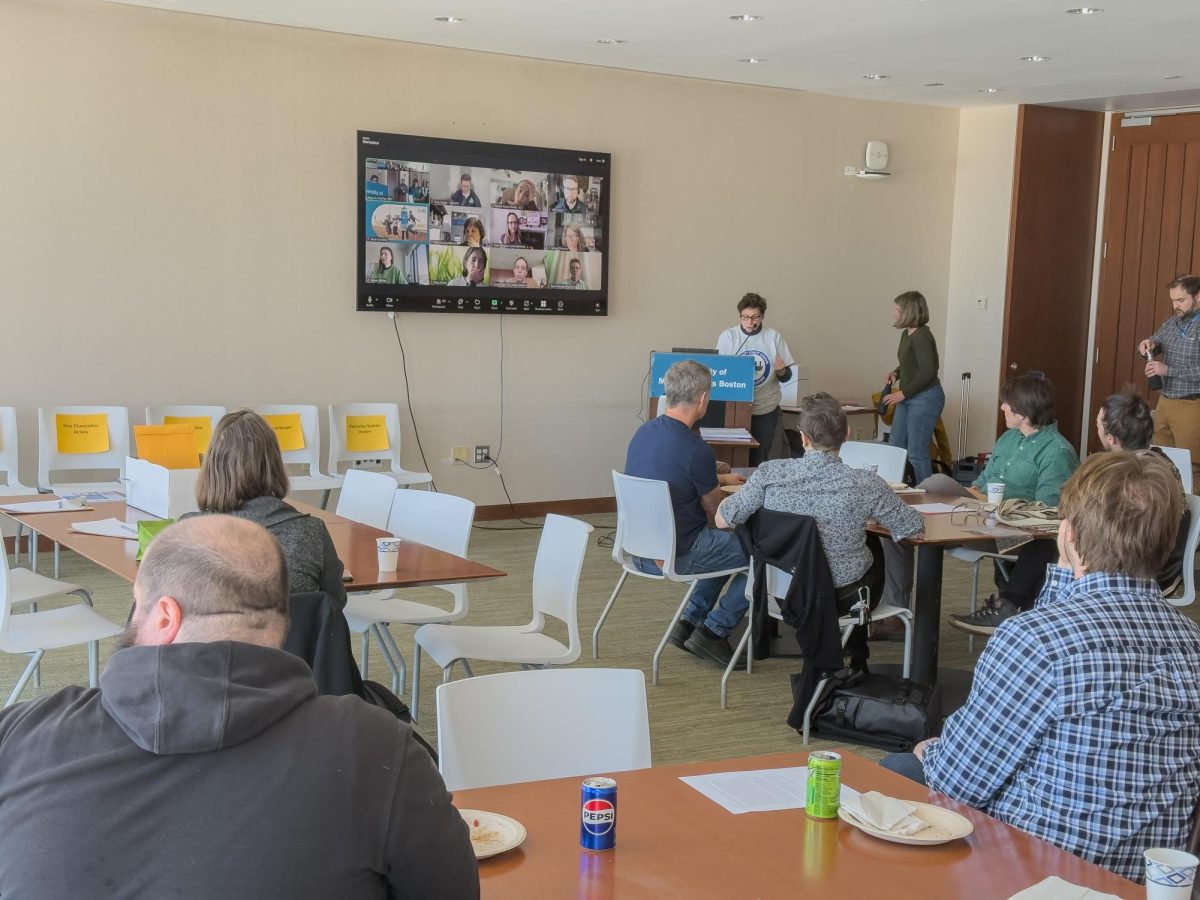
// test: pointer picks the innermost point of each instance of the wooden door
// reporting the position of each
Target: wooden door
(1052, 239)
(1151, 234)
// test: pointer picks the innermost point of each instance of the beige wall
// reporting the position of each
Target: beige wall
(979, 268)
(178, 223)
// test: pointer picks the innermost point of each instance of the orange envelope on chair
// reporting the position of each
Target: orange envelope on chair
(169, 446)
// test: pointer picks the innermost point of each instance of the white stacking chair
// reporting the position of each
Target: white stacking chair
(441, 521)
(778, 582)
(366, 497)
(9, 460)
(549, 723)
(36, 632)
(1189, 555)
(1181, 458)
(309, 455)
(156, 414)
(337, 441)
(974, 558)
(889, 460)
(51, 460)
(555, 594)
(646, 528)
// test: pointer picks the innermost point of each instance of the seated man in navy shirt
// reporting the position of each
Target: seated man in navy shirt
(666, 449)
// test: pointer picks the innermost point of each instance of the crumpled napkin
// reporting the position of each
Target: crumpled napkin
(1054, 888)
(885, 813)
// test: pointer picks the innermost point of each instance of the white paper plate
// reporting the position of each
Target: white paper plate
(492, 833)
(944, 826)
(730, 488)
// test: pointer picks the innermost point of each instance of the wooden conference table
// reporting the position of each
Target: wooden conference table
(942, 530)
(672, 841)
(355, 543)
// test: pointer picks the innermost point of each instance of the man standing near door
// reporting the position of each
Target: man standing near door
(1177, 416)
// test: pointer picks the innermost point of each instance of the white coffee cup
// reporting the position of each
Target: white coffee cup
(388, 551)
(1169, 874)
(995, 492)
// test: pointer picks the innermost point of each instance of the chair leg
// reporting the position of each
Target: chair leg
(364, 648)
(661, 644)
(467, 668)
(907, 622)
(325, 499)
(812, 705)
(56, 555)
(446, 673)
(385, 637)
(743, 645)
(974, 600)
(604, 614)
(93, 664)
(416, 681)
(34, 662)
(377, 628)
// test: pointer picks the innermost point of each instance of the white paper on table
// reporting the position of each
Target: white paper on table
(41, 506)
(93, 496)
(761, 790)
(726, 434)
(1054, 888)
(933, 508)
(107, 528)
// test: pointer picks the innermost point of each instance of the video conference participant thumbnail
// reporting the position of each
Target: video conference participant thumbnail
(517, 268)
(519, 190)
(518, 228)
(458, 266)
(466, 186)
(397, 221)
(572, 271)
(396, 263)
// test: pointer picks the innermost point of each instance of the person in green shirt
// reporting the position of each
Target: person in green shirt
(1032, 460)
(384, 272)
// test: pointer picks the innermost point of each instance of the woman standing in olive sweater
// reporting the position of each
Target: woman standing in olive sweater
(916, 392)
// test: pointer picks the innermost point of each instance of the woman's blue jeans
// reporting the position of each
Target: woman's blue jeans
(912, 427)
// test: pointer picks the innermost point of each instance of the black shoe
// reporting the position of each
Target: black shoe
(985, 621)
(680, 632)
(704, 643)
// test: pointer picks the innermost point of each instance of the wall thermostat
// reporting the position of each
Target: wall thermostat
(877, 156)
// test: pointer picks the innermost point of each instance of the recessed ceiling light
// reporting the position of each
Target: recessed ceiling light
(1171, 77)
(451, 20)
(746, 17)
(934, 84)
(753, 60)
(1084, 11)
(610, 41)
(1034, 59)
(877, 77)
(989, 90)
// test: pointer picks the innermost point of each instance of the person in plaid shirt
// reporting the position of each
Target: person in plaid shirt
(1083, 722)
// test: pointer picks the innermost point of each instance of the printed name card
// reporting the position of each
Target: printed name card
(85, 433)
(365, 433)
(169, 446)
(201, 429)
(288, 429)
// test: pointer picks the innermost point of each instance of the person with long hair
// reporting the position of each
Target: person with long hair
(385, 271)
(573, 239)
(918, 397)
(243, 476)
(512, 231)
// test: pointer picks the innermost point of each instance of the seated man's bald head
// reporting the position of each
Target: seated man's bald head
(227, 577)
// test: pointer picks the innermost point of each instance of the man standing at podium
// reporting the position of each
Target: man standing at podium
(772, 361)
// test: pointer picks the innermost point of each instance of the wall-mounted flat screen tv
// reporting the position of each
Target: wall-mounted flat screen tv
(448, 226)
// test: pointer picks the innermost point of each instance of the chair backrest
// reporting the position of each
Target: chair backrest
(556, 575)
(1189, 555)
(338, 452)
(51, 460)
(8, 450)
(889, 459)
(1181, 457)
(545, 723)
(441, 521)
(367, 497)
(790, 390)
(645, 520)
(156, 414)
(310, 454)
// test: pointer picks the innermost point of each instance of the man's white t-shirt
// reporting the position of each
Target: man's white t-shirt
(762, 347)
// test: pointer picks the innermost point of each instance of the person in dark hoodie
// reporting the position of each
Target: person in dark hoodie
(206, 764)
(243, 476)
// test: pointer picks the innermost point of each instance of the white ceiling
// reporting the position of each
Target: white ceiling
(812, 45)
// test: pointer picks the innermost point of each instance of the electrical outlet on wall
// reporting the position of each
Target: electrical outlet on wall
(981, 302)
(483, 453)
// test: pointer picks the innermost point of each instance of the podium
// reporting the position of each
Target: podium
(730, 399)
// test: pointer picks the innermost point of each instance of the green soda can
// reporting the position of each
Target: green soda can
(824, 784)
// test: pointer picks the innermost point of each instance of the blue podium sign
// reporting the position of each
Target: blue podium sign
(732, 376)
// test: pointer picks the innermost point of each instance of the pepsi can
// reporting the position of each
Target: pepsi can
(598, 814)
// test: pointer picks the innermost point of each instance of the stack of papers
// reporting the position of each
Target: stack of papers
(107, 528)
(726, 434)
(1055, 888)
(93, 496)
(42, 506)
(761, 790)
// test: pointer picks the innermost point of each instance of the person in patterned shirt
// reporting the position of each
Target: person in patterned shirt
(1083, 722)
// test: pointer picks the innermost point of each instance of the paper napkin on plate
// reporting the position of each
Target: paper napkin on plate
(885, 813)
(1054, 888)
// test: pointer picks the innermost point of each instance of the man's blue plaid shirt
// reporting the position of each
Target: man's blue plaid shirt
(1083, 723)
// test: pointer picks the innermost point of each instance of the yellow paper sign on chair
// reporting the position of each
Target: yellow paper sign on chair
(201, 429)
(169, 446)
(366, 433)
(86, 433)
(288, 429)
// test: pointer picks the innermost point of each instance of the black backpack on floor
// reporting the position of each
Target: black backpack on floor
(878, 710)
